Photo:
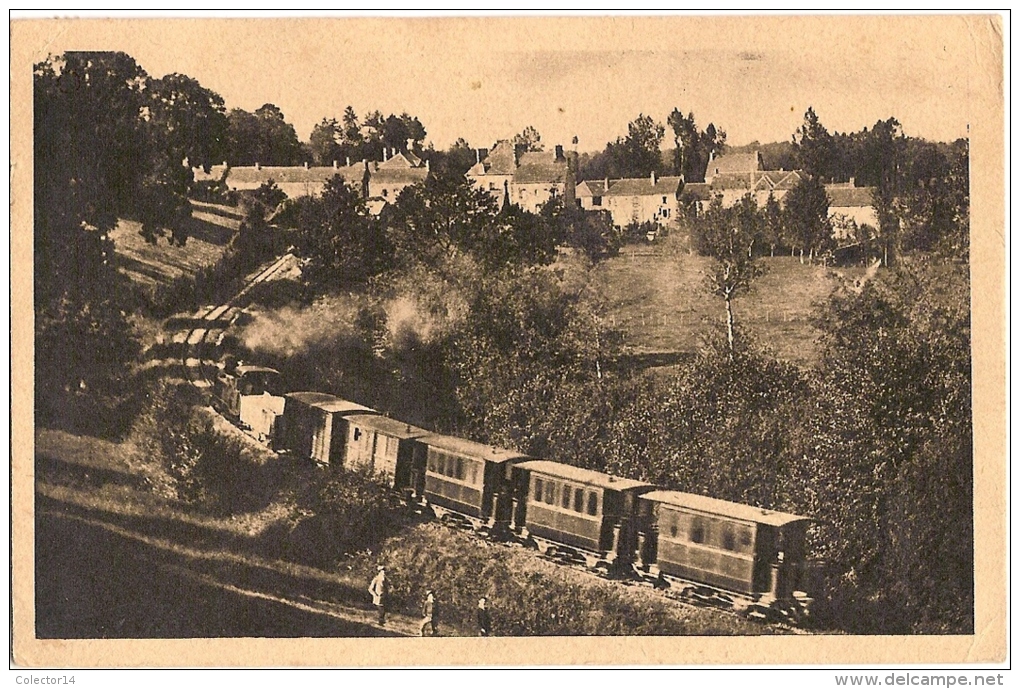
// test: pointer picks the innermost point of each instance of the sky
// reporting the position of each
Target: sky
(485, 79)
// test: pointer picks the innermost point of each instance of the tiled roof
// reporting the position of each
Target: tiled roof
(401, 160)
(470, 448)
(788, 181)
(731, 180)
(214, 174)
(850, 197)
(696, 191)
(500, 160)
(736, 510)
(591, 187)
(642, 186)
(290, 175)
(586, 476)
(734, 162)
(397, 175)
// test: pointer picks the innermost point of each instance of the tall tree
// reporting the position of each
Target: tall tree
(637, 154)
(814, 147)
(88, 138)
(324, 142)
(807, 217)
(529, 139)
(263, 137)
(727, 235)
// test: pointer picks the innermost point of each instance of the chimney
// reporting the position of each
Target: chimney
(559, 152)
(385, 150)
(428, 167)
(224, 163)
(478, 156)
(335, 165)
(257, 166)
(306, 164)
(853, 182)
(348, 161)
(653, 178)
(605, 184)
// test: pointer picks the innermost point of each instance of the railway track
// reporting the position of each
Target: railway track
(213, 321)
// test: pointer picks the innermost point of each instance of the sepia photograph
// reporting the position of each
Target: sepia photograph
(573, 340)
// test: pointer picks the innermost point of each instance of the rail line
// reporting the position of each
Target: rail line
(215, 320)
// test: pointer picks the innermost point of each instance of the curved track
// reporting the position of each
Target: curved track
(201, 339)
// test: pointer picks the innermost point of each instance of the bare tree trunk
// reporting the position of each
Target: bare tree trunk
(729, 325)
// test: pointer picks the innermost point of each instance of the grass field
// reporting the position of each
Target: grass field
(661, 303)
(211, 229)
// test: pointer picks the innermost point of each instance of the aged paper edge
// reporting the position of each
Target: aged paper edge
(32, 40)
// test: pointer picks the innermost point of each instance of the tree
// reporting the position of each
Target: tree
(88, 137)
(342, 242)
(807, 217)
(324, 142)
(814, 147)
(262, 137)
(772, 224)
(887, 463)
(591, 232)
(727, 235)
(637, 154)
(529, 139)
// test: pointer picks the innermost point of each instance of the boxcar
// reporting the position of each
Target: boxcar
(383, 446)
(313, 425)
(467, 478)
(755, 552)
(582, 509)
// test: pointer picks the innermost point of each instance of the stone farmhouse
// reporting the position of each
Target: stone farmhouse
(651, 199)
(525, 178)
(379, 182)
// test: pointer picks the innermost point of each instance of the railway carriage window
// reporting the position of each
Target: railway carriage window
(579, 500)
(538, 490)
(357, 434)
(550, 489)
(460, 468)
(593, 504)
(565, 498)
(729, 541)
(698, 531)
(674, 525)
(432, 463)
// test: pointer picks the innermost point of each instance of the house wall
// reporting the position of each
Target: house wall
(493, 184)
(862, 215)
(530, 197)
(644, 208)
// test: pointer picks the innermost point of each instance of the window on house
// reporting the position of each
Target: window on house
(593, 504)
(385, 193)
(665, 212)
(596, 200)
(664, 199)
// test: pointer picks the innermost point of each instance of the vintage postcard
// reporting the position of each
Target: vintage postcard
(633, 340)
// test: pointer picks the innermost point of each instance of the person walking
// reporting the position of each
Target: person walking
(379, 590)
(428, 614)
(484, 617)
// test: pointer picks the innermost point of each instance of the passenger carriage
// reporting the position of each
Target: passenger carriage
(385, 447)
(757, 553)
(575, 514)
(465, 481)
(313, 425)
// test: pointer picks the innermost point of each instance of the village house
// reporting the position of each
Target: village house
(732, 176)
(849, 202)
(525, 178)
(633, 200)
(377, 182)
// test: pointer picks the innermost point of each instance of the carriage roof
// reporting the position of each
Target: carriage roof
(470, 448)
(327, 403)
(587, 476)
(384, 424)
(724, 508)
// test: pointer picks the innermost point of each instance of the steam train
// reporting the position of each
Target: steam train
(701, 549)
